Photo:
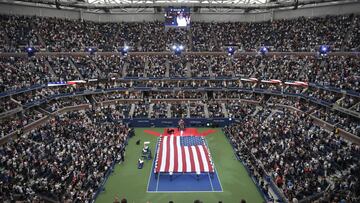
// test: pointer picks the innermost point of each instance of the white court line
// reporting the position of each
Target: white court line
(218, 179)
(212, 187)
(180, 191)
(208, 148)
(185, 191)
(152, 166)
(157, 183)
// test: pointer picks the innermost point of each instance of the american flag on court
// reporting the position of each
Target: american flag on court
(183, 154)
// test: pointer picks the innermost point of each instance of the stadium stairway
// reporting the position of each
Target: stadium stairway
(12, 111)
(257, 109)
(226, 114)
(254, 86)
(91, 99)
(311, 110)
(146, 68)
(71, 62)
(88, 117)
(210, 71)
(38, 36)
(188, 110)
(206, 111)
(339, 100)
(138, 43)
(348, 33)
(6, 39)
(229, 61)
(189, 36)
(271, 114)
(41, 110)
(353, 108)
(342, 109)
(126, 65)
(304, 90)
(151, 109)
(188, 69)
(15, 101)
(167, 65)
(40, 39)
(51, 70)
(97, 68)
(132, 110)
(168, 110)
(208, 63)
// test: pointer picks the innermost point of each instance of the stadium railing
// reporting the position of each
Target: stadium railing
(106, 176)
(21, 90)
(279, 197)
(277, 191)
(315, 196)
(160, 123)
(40, 122)
(10, 112)
(111, 169)
(171, 122)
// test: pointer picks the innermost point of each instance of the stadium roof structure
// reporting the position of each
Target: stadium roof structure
(141, 5)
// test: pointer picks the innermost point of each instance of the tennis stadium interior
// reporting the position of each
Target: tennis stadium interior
(185, 101)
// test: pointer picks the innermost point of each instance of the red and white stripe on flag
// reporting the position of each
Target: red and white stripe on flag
(171, 156)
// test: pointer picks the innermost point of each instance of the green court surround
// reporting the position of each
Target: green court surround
(129, 182)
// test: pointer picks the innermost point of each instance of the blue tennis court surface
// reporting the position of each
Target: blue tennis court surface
(183, 182)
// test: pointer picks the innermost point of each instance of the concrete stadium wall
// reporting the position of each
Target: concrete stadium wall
(38, 11)
(204, 15)
(318, 11)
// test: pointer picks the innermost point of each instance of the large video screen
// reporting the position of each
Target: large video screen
(177, 17)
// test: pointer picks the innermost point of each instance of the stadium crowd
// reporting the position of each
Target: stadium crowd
(237, 109)
(17, 121)
(283, 122)
(57, 104)
(7, 105)
(66, 159)
(266, 143)
(59, 35)
(159, 110)
(335, 71)
(197, 109)
(342, 121)
(53, 98)
(179, 110)
(141, 109)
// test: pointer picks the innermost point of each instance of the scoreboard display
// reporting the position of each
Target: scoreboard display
(177, 17)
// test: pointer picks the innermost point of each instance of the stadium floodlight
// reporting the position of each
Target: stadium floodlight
(177, 49)
(324, 49)
(263, 50)
(124, 50)
(91, 50)
(230, 51)
(30, 51)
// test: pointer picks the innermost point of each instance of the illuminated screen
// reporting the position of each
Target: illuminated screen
(177, 17)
